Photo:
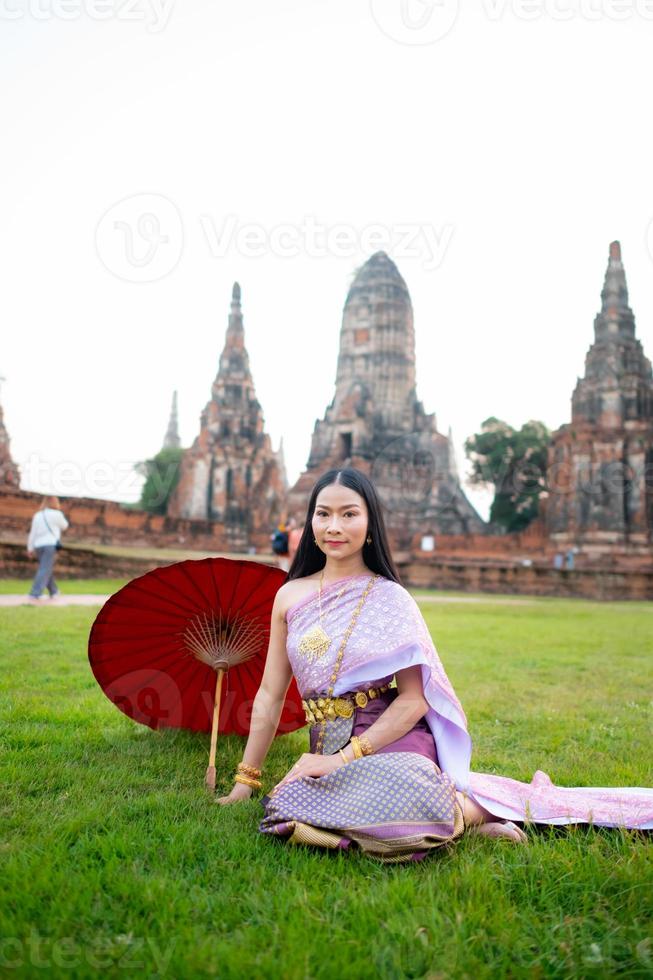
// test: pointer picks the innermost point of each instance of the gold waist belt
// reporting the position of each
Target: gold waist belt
(342, 707)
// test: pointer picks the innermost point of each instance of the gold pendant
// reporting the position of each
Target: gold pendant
(314, 644)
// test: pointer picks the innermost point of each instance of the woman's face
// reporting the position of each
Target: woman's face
(339, 521)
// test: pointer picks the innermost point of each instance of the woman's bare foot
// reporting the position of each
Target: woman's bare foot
(495, 828)
(478, 820)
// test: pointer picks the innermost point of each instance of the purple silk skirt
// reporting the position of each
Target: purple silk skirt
(395, 805)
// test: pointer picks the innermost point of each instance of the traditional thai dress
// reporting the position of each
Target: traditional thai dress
(400, 802)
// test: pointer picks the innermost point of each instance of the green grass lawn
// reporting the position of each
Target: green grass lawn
(115, 862)
(70, 586)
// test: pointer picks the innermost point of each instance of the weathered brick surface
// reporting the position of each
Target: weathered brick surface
(603, 583)
(106, 522)
(466, 574)
(75, 563)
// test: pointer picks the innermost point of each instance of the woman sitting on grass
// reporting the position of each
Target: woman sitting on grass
(388, 767)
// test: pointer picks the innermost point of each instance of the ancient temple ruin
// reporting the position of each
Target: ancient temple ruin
(375, 421)
(9, 474)
(600, 466)
(171, 440)
(231, 474)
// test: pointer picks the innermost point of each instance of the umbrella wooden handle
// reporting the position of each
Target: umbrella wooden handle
(210, 772)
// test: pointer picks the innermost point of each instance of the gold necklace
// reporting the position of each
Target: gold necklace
(315, 643)
(319, 745)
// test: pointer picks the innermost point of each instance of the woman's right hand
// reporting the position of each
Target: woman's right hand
(239, 791)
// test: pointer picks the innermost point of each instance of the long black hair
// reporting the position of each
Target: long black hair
(310, 558)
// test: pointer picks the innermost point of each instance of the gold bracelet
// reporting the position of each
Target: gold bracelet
(248, 781)
(365, 744)
(355, 744)
(344, 757)
(248, 770)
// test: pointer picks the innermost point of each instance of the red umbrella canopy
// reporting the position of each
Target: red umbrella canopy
(144, 645)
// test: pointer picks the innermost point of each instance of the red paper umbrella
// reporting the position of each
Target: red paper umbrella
(156, 646)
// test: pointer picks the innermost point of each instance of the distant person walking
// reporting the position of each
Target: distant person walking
(44, 540)
(294, 537)
(280, 546)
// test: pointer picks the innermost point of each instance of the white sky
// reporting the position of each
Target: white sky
(513, 141)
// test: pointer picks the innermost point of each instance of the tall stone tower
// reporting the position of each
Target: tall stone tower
(601, 463)
(9, 475)
(231, 474)
(171, 439)
(375, 421)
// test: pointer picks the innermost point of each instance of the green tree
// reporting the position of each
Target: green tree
(514, 463)
(161, 477)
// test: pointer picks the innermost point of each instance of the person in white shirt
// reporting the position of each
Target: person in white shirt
(44, 534)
